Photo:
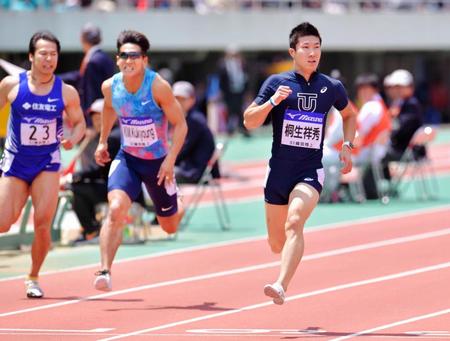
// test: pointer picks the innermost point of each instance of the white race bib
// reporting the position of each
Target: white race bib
(302, 129)
(138, 132)
(37, 131)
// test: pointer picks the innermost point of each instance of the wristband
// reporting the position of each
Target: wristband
(272, 102)
(348, 144)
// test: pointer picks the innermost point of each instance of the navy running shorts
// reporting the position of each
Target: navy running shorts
(283, 175)
(128, 172)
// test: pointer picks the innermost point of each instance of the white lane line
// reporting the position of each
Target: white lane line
(95, 330)
(309, 229)
(394, 324)
(256, 267)
(292, 298)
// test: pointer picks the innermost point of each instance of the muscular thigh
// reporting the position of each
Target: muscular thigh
(275, 219)
(302, 201)
(13, 195)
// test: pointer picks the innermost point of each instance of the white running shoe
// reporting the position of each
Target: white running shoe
(33, 289)
(276, 292)
(103, 280)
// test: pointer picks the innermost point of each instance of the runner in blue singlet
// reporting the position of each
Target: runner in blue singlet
(298, 102)
(144, 104)
(31, 160)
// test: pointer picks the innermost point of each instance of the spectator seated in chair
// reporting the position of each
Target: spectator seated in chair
(407, 117)
(199, 144)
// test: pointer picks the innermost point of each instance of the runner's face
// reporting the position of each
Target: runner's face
(130, 59)
(307, 54)
(45, 58)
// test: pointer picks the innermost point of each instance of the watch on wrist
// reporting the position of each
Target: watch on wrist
(348, 144)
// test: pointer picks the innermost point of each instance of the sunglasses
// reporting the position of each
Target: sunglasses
(132, 55)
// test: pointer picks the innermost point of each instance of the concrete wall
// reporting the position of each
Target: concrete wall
(250, 30)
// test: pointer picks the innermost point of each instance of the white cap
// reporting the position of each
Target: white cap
(183, 89)
(388, 80)
(401, 78)
(97, 106)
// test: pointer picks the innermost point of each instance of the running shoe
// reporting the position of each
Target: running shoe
(276, 292)
(33, 289)
(103, 280)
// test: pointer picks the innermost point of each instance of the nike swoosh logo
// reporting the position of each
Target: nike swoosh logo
(165, 209)
(51, 100)
(144, 103)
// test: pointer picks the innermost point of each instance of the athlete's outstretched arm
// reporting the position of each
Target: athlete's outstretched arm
(166, 100)
(108, 118)
(255, 115)
(75, 115)
(349, 125)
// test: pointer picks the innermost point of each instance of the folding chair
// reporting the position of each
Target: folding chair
(207, 181)
(420, 166)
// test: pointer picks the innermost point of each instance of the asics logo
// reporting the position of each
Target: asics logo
(308, 179)
(165, 209)
(51, 100)
(145, 102)
(323, 90)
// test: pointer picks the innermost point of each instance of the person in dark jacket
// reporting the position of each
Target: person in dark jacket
(407, 117)
(95, 67)
(199, 144)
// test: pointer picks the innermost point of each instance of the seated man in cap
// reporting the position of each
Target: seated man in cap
(407, 117)
(199, 144)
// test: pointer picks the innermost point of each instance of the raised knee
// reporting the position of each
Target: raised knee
(169, 228)
(276, 245)
(4, 227)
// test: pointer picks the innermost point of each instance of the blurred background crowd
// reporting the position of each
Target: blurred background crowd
(204, 6)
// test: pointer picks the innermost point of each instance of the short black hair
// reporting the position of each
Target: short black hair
(45, 35)
(302, 30)
(370, 79)
(133, 37)
(91, 34)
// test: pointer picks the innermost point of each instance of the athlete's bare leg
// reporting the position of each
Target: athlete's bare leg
(13, 196)
(112, 230)
(302, 201)
(276, 216)
(44, 194)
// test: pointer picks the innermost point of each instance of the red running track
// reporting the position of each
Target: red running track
(385, 278)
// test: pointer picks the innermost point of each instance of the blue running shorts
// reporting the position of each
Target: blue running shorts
(27, 168)
(128, 172)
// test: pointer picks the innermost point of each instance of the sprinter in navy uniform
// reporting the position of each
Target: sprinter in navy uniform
(31, 160)
(298, 102)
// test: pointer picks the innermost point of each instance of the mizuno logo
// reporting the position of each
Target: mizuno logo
(165, 209)
(51, 100)
(145, 102)
(27, 119)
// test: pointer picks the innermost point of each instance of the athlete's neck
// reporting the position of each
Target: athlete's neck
(41, 79)
(306, 74)
(133, 83)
